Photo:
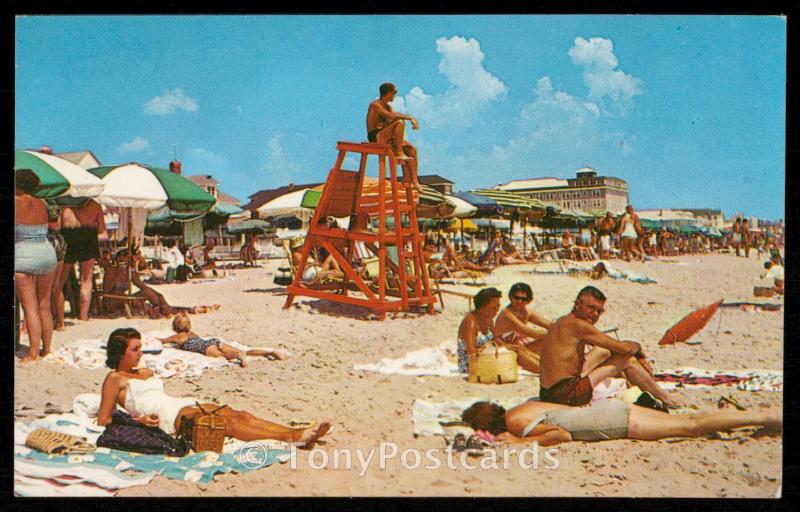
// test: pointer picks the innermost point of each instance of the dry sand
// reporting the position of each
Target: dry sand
(319, 382)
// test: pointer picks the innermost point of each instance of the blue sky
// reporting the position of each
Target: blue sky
(690, 110)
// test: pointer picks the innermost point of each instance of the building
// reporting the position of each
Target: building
(437, 183)
(587, 191)
(212, 187)
(84, 159)
(672, 218)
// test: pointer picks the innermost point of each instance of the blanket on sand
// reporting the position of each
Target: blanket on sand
(745, 380)
(165, 360)
(104, 471)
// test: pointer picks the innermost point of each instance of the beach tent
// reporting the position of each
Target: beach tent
(58, 178)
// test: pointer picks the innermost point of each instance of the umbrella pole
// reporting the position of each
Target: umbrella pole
(461, 220)
(130, 250)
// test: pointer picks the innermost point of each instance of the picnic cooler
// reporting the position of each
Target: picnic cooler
(206, 431)
(492, 365)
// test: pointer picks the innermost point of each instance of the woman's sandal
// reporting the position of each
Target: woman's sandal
(459, 443)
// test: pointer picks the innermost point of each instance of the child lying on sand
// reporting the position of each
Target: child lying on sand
(185, 339)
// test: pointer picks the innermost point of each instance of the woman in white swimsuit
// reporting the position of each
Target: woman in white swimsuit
(143, 396)
(628, 235)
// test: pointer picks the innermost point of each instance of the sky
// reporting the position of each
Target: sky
(689, 110)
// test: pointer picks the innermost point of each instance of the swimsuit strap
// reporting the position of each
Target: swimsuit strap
(532, 425)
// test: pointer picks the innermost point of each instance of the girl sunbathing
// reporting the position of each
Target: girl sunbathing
(143, 396)
(550, 424)
(185, 339)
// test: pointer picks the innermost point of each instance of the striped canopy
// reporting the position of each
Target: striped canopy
(58, 177)
(142, 186)
(510, 199)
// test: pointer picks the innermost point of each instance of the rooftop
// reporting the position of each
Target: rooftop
(433, 179)
(548, 182)
(203, 180)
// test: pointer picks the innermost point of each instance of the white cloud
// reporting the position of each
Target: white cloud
(169, 102)
(205, 158)
(471, 86)
(138, 144)
(277, 161)
(600, 72)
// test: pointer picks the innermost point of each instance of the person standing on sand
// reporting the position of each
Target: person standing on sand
(81, 226)
(629, 227)
(746, 238)
(385, 126)
(568, 375)
(737, 235)
(604, 228)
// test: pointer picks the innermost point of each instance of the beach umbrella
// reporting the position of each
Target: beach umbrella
(135, 185)
(462, 208)
(287, 204)
(58, 177)
(486, 207)
(432, 203)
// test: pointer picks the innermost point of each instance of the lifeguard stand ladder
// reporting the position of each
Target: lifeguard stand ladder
(399, 246)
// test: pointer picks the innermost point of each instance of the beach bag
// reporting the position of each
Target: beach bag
(57, 443)
(126, 434)
(493, 364)
(205, 432)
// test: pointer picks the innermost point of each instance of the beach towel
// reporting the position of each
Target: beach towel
(627, 274)
(441, 360)
(745, 380)
(105, 471)
(427, 416)
(167, 362)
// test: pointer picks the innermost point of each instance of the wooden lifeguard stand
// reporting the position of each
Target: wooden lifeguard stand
(402, 281)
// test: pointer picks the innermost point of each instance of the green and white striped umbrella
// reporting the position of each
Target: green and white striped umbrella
(142, 186)
(58, 177)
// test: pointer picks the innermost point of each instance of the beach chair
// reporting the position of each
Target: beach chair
(318, 283)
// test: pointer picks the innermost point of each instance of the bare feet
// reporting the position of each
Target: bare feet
(276, 355)
(60, 327)
(242, 360)
(28, 359)
(308, 443)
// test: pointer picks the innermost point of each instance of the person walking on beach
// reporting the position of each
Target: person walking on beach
(629, 227)
(568, 374)
(737, 235)
(385, 126)
(81, 226)
(604, 228)
(746, 238)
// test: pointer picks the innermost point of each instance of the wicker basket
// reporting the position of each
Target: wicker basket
(492, 365)
(208, 431)
(764, 291)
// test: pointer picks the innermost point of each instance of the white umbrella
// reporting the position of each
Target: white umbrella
(463, 208)
(287, 204)
(58, 177)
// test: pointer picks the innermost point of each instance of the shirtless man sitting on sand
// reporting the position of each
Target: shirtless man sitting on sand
(568, 375)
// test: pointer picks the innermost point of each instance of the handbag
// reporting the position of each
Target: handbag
(57, 443)
(126, 434)
(204, 432)
(492, 366)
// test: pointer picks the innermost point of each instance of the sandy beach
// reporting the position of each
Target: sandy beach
(327, 340)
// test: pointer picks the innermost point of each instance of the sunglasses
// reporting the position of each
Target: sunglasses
(520, 297)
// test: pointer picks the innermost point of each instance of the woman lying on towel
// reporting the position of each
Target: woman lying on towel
(185, 339)
(143, 396)
(549, 424)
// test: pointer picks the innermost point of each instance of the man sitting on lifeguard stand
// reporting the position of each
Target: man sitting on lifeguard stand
(385, 126)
